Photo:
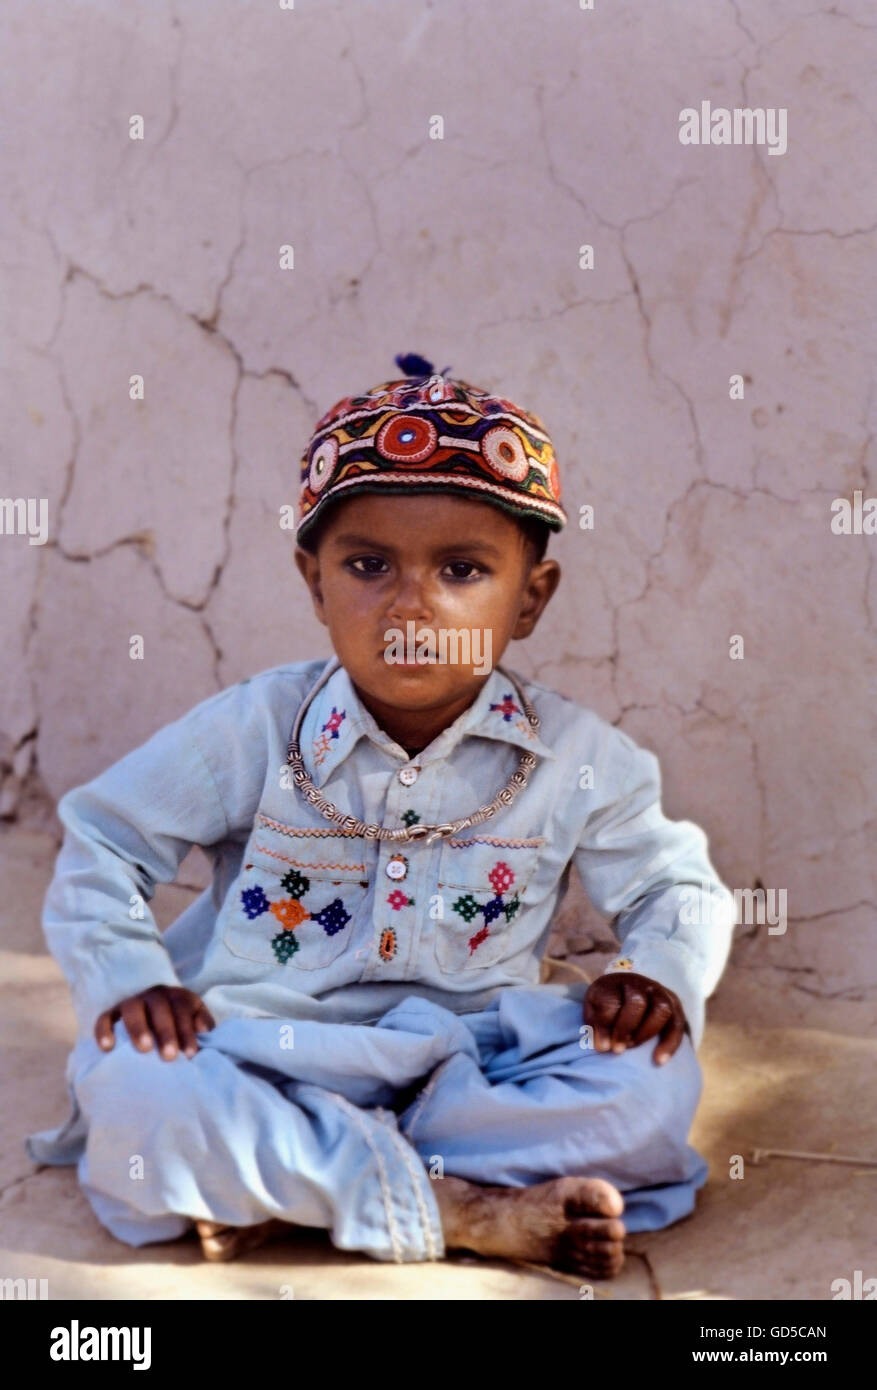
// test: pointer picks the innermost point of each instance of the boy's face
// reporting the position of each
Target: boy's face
(440, 562)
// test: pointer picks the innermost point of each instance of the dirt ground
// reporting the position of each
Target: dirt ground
(783, 1068)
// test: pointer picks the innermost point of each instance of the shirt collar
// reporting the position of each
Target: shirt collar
(337, 720)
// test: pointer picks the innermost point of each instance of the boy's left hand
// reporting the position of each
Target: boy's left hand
(625, 1010)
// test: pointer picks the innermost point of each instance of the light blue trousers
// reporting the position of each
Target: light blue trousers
(347, 1126)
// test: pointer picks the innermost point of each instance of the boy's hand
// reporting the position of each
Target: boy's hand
(167, 1013)
(626, 1010)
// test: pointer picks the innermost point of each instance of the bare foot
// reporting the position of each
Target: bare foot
(568, 1223)
(220, 1243)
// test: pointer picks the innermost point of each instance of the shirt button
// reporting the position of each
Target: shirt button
(397, 867)
(408, 776)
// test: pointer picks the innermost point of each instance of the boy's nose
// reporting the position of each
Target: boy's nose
(410, 602)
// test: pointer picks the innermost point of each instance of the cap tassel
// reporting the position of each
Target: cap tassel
(416, 366)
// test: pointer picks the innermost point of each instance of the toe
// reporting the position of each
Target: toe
(594, 1195)
(598, 1228)
(209, 1228)
(599, 1249)
(606, 1261)
(217, 1250)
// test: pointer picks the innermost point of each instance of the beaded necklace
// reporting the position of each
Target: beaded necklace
(504, 797)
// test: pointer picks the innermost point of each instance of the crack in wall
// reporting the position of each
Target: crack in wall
(142, 542)
(854, 994)
(738, 20)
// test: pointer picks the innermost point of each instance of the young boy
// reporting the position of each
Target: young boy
(347, 1029)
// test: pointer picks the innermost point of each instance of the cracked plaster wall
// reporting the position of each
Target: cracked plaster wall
(310, 127)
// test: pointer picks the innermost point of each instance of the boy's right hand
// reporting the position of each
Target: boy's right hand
(168, 1014)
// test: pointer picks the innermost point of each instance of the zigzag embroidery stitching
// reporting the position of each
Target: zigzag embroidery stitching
(317, 832)
(502, 844)
(306, 863)
(321, 748)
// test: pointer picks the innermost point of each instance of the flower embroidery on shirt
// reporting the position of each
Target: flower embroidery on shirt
(398, 899)
(254, 902)
(467, 907)
(508, 707)
(476, 940)
(623, 963)
(492, 909)
(295, 883)
(327, 733)
(333, 917)
(290, 913)
(501, 878)
(333, 723)
(410, 817)
(387, 947)
(285, 945)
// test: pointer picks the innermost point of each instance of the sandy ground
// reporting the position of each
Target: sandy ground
(782, 1069)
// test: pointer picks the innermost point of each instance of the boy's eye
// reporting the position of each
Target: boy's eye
(463, 569)
(376, 564)
(367, 564)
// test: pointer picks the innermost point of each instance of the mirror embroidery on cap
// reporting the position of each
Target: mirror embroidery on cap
(290, 913)
(501, 878)
(431, 432)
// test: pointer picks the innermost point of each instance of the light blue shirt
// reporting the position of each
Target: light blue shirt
(304, 921)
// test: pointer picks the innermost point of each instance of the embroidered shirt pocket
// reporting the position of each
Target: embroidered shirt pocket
(296, 899)
(482, 882)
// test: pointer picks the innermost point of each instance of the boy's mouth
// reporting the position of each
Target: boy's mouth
(409, 662)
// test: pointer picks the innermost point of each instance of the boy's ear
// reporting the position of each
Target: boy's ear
(309, 568)
(541, 584)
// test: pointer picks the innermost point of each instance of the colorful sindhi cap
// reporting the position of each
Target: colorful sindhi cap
(428, 432)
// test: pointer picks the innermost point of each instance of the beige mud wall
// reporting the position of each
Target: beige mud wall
(315, 128)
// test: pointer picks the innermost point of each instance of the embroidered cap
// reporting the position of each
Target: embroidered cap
(428, 432)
